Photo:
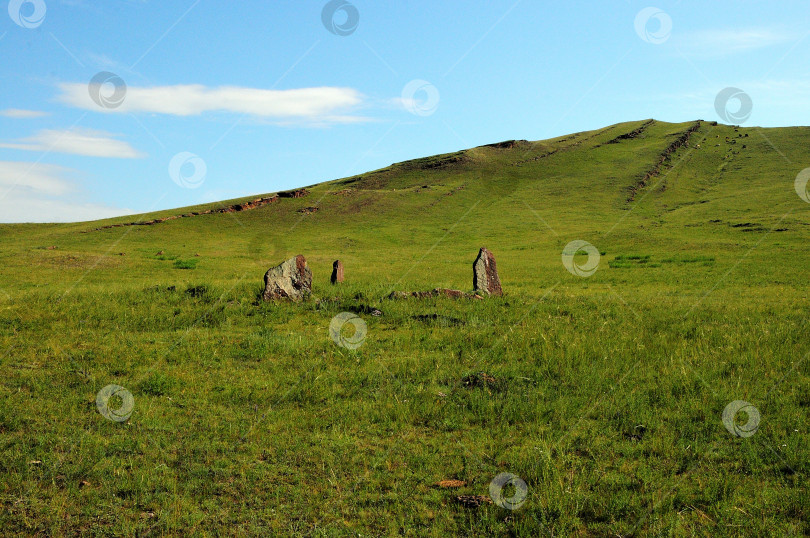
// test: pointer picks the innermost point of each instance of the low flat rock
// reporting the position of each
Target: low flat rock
(438, 292)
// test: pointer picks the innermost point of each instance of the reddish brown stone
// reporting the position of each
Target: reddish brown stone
(485, 274)
(453, 294)
(301, 264)
(438, 292)
(337, 272)
(298, 193)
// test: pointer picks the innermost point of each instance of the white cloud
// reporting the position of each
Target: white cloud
(26, 209)
(324, 104)
(714, 44)
(87, 142)
(17, 113)
(39, 178)
(34, 192)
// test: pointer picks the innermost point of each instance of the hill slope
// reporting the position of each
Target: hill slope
(524, 199)
(603, 393)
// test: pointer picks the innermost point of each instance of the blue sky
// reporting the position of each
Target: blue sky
(112, 107)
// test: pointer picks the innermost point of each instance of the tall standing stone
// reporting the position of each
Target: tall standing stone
(485, 274)
(290, 280)
(337, 272)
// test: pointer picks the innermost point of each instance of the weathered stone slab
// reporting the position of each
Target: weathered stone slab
(485, 274)
(337, 272)
(290, 280)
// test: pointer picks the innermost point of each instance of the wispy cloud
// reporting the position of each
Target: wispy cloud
(783, 99)
(713, 44)
(18, 113)
(39, 178)
(36, 192)
(322, 105)
(773, 91)
(86, 142)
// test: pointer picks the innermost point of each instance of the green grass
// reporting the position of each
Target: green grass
(700, 259)
(632, 260)
(604, 394)
(185, 264)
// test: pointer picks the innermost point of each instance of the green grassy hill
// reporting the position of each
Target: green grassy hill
(604, 394)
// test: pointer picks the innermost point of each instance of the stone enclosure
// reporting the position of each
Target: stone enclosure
(292, 280)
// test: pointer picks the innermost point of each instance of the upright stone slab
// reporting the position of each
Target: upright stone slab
(337, 272)
(290, 280)
(485, 274)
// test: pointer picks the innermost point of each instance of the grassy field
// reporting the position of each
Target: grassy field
(604, 394)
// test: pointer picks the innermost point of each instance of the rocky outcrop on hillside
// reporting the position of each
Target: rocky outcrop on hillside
(235, 208)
